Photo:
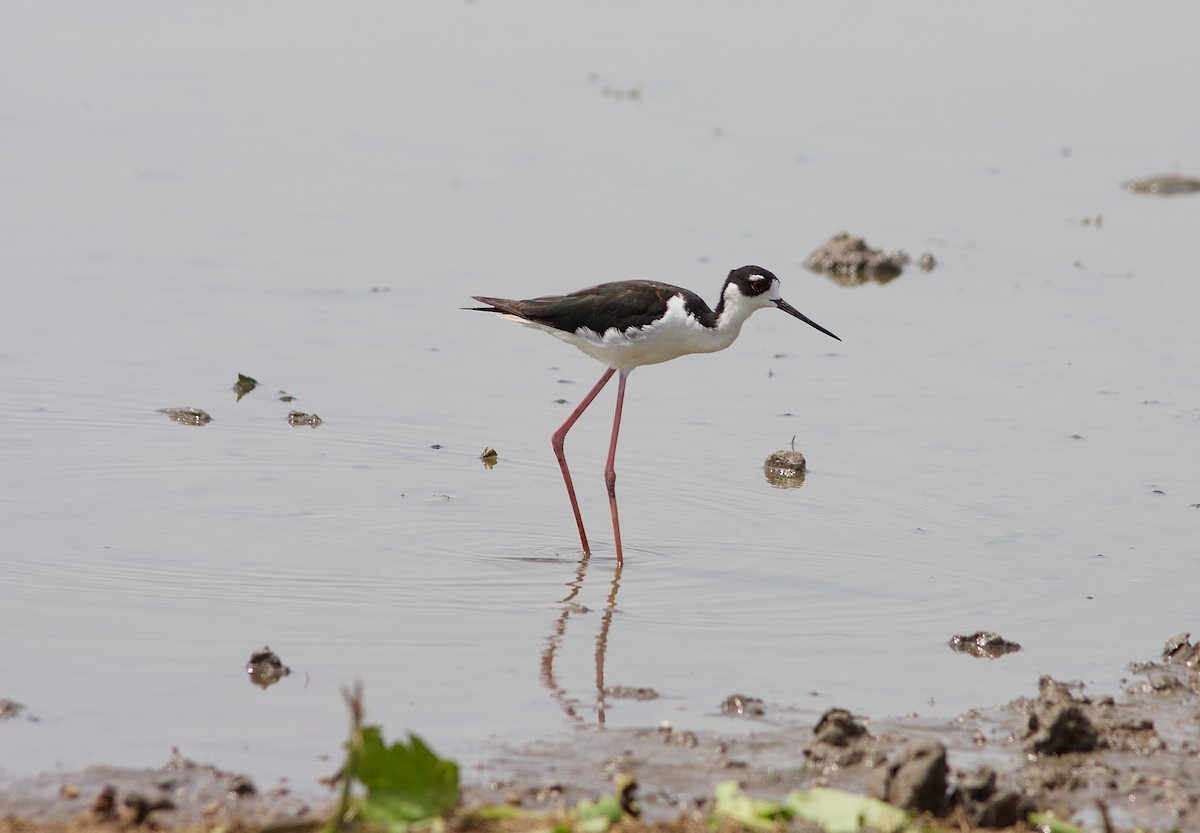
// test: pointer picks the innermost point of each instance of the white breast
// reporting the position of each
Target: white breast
(675, 334)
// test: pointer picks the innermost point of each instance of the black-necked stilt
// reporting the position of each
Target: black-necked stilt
(626, 324)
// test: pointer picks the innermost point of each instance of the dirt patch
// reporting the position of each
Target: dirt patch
(181, 794)
(1135, 759)
(850, 261)
(983, 644)
(265, 668)
(1164, 185)
(187, 416)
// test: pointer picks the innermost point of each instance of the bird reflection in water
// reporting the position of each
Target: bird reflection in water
(572, 707)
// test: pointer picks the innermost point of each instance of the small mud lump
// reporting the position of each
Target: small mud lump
(987, 806)
(983, 644)
(1058, 723)
(187, 416)
(265, 668)
(786, 463)
(838, 740)
(299, 419)
(850, 261)
(1180, 651)
(916, 780)
(785, 469)
(741, 704)
(1164, 185)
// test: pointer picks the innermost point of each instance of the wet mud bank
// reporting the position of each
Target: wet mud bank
(1104, 762)
(182, 794)
(1134, 759)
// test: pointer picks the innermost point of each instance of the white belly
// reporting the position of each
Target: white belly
(675, 334)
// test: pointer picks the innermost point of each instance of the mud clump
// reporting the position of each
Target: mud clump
(265, 668)
(785, 469)
(668, 734)
(626, 692)
(187, 416)
(104, 805)
(786, 463)
(180, 795)
(138, 807)
(1164, 185)
(1178, 673)
(743, 706)
(839, 741)
(850, 261)
(916, 780)
(984, 804)
(1058, 723)
(299, 419)
(1180, 651)
(984, 644)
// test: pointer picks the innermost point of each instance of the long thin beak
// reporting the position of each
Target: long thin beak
(791, 310)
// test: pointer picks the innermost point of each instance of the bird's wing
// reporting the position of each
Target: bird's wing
(631, 303)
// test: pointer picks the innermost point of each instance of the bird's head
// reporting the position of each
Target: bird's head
(759, 288)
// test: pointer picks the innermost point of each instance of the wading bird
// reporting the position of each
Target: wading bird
(626, 324)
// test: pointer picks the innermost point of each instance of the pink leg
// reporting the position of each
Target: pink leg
(559, 437)
(610, 471)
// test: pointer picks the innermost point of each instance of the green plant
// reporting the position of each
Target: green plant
(835, 811)
(406, 785)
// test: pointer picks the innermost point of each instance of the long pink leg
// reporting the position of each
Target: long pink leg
(610, 471)
(559, 437)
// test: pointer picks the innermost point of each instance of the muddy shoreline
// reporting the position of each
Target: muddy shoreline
(1133, 759)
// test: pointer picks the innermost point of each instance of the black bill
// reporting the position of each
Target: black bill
(791, 310)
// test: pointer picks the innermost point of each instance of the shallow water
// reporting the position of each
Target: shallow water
(1009, 442)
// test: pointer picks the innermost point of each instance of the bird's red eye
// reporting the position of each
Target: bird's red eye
(759, 284)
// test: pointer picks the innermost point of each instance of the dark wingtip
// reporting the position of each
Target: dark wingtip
(490, 308)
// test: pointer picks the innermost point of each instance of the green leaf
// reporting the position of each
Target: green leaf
(751, 813)
(600, 815)
(1046, 823)
(838, 811)
(407, 784)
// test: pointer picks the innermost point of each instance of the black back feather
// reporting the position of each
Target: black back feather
(621, 304)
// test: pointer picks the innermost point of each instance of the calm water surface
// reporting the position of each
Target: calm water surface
(308, 195)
